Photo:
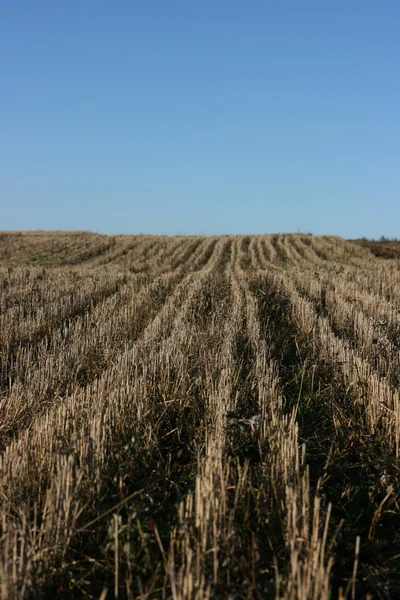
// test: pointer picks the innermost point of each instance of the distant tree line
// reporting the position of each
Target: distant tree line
(383, 238)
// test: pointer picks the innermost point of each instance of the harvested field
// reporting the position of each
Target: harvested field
(191, 418)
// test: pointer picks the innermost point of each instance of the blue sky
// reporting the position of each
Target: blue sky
(210, 117)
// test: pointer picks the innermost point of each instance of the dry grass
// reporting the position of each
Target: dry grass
(195, 418)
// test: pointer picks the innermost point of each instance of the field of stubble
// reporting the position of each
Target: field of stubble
(191, 418)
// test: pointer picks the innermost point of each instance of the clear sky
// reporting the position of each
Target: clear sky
(207, 116)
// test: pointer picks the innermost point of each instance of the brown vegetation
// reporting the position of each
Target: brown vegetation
(382, 248)
(195, 418)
